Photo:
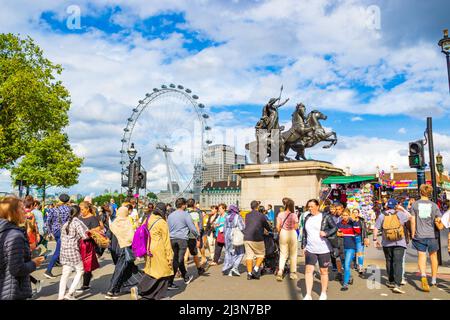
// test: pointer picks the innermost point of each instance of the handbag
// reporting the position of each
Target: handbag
(129, 255)
(237, 237)
(220, 238)
(100, 239)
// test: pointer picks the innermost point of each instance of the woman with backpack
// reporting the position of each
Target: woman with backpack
(126, 274)
(70, 257)
(287, 226)
(391, 224)
(159, 264)
(234, 242)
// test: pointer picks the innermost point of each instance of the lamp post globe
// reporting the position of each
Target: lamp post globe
(132, 152)
(444, 43)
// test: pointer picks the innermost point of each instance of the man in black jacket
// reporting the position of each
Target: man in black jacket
(255, 223)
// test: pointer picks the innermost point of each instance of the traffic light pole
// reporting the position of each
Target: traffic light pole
(433, 176)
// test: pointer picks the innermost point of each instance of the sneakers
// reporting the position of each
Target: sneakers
(293, 276)
(111, 296)
(403, 282)
(256, 274)
(172, 287)
(279, 277)
(188, 279)
(344, 287)
(134, 293)
(397, 290)
(235, 272)
(49, 275)
(82, 289)
(201, 271)
(307, 297)
(69, 297)
(323, 296)
(38, 286)
(361, 270)
(249, 276)
(425, 286)
(390, 285)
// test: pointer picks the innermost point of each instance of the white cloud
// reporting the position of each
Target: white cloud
(402, 131)
(108, 74)
(353, 119)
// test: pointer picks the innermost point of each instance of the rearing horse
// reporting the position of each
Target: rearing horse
(298, 142)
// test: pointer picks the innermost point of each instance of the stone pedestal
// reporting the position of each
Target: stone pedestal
(270, 183)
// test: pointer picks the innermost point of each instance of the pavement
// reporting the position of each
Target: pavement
(215, 286)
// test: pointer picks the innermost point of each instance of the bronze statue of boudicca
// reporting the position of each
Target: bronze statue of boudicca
(273, 143)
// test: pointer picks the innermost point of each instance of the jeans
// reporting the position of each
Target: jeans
(66, 271)
(394, 263)
(359, 251)
(218, 251)
(55, 255)
(179, 248)
(349, 255)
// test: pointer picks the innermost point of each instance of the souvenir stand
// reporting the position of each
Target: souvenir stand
(355, 192)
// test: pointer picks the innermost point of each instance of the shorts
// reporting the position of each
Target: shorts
(323, 259)
(254, 249)
(422, 245)
(192, 246)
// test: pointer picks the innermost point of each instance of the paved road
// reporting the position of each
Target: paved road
(214, 285)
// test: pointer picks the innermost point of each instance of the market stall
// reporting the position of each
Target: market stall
(354, 192)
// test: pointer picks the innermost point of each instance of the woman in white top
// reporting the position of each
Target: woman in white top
(318, 229)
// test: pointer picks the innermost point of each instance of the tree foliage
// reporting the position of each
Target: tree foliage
(152, 196)
(50, 161)
(32, 102)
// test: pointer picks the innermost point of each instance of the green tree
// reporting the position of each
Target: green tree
(32, 102)
(152, 196)
(49, 163)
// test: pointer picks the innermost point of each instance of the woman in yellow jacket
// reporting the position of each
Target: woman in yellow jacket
(158, 267)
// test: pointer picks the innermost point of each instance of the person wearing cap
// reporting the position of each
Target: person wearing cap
(393, 250)
(159, 266)
(56, 218)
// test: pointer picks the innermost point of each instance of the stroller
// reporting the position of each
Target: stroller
(272, 257)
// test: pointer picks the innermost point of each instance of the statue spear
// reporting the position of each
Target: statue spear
(281, 90)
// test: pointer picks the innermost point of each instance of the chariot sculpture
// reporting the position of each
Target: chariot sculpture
(273, 143)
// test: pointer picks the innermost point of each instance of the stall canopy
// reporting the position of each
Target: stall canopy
(347, 179)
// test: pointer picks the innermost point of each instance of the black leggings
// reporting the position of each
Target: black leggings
(218, 251)
(87, 276)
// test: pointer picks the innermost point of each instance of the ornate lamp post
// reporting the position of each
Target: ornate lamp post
(132, 155)
(444, 43)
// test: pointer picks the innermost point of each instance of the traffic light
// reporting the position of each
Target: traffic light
(141, 179)
(416, 154)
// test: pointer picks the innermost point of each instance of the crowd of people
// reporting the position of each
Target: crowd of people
(166, 238)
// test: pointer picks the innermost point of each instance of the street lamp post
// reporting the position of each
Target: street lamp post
(444, 43)
(131, 154)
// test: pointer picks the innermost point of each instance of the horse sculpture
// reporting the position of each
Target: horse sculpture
(303, 134)
(294, 140)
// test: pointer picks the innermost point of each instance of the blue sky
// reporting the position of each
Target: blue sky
(377, 78)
